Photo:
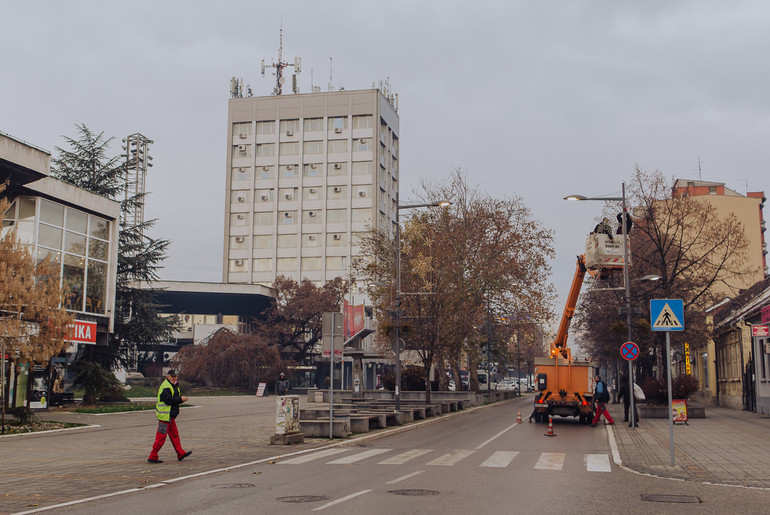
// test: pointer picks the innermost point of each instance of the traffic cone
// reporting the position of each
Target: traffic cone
(518, 416)
(550, 427)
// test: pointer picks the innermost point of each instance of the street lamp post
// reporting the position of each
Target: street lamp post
(396, 331)
(627, 285)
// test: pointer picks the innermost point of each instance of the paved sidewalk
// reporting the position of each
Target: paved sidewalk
(729, 447)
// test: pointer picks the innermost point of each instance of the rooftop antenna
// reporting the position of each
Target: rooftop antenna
(280, 65)
(331, 62)
(700, 177)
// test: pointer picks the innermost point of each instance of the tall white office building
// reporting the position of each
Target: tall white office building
(307, 176)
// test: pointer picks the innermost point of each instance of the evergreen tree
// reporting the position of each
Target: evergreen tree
(137, 322)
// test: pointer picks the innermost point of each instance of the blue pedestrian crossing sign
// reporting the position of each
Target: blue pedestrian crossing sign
(667, 314)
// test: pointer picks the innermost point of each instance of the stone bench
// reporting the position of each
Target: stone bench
(319, 428)
(392, 418)
(316, 413)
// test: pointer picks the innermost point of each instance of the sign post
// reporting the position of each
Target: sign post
(668, 315)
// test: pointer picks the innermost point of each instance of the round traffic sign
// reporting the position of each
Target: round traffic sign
(629, 351)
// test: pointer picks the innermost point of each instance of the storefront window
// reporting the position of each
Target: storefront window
(97, 285)
(73, 276)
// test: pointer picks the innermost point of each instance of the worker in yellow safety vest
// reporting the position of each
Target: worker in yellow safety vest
(166, 409)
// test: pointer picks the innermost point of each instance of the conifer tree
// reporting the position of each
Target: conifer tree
(138, 324)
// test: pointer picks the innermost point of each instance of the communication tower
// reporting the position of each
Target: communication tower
(138, 161)
(279, 67)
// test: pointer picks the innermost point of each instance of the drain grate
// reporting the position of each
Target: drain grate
(671, 498)
(413, 491)
(303, 498)
(233, 485)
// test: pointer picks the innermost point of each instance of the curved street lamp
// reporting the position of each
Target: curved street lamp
(626, 281)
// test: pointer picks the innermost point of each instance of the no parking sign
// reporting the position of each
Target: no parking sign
(629, 351)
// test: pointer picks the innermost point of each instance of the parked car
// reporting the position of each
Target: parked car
(508, 385)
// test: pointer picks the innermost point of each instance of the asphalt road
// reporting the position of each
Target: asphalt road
(479, 461)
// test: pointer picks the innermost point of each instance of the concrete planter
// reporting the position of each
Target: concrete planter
(662, 412)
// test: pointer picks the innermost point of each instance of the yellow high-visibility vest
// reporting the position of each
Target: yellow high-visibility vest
(163, 410)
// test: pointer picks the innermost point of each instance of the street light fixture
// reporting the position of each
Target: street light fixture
(399, 207)
(626, 281)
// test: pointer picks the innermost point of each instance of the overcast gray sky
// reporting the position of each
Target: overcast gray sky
(534, 99)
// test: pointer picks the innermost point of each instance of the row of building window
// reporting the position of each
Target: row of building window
(243, 173)
(309, 125)
(289, 241)
(289, 264)
(308, 193)
(78, 243)
(308, 216)
(291, 148)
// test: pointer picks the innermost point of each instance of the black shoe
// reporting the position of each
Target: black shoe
(610, 423)
(625, 420)
(180, 458)
(150, 460)
(593, 425)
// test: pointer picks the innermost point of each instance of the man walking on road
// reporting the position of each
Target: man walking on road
(601, 397)
(166, 409)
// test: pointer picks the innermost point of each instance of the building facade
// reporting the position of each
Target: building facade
(718, 364)
(79, 231)
(308, 175)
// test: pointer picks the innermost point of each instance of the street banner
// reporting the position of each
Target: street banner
(679, 407)
(354, 318)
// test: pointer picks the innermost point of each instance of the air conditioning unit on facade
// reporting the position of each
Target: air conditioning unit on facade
(337, 237)
(264, 197)
(287, 215)
(312, 166)
(311, 238)
(242, 148)
(238, 262)
(287, 196)
(290, 167)
(241, 199)
(338, 131)
(361, 193)
(337, 189)
(337, 166)
(239, 239)
(312, 190)
(266, 168)
(289, 133)
(241, 217)
(311, 213)
(242, 136)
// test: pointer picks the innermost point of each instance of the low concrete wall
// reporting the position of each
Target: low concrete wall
(662, 412)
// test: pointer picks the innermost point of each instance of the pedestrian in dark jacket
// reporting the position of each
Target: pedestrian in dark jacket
(601, 397)
(282, 385)
(625, 393)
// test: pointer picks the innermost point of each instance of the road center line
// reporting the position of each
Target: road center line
(498, 434)
(342, 499)
(402, 478)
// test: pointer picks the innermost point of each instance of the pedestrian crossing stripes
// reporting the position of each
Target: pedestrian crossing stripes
(547, 461)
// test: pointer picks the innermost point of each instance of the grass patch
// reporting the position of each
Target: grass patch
(12, 428)
(117, 408)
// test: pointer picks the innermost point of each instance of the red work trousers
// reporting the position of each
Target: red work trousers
(601, 409)
(160, 438)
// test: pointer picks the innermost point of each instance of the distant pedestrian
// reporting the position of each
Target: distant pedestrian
(166, 410)
(282, 385)
(625, 394)
(601, 397)
(327, 382)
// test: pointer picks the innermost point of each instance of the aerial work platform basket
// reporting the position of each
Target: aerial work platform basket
(603, 251)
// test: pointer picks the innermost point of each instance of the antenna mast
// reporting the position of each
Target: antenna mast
(280, 65)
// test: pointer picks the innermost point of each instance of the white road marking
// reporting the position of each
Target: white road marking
(550, 461)
(498, 434)
(347, 460)
(598, 463)
(500, 459)
(343, 499)
(400, 459)
(402, 478)
(313, 456)
(451, 458)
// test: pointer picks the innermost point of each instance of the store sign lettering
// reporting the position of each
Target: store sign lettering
(83, 332)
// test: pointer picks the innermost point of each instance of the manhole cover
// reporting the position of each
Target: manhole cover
(303, 498)
(413, 491)
(234, 485)
(671, 498)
